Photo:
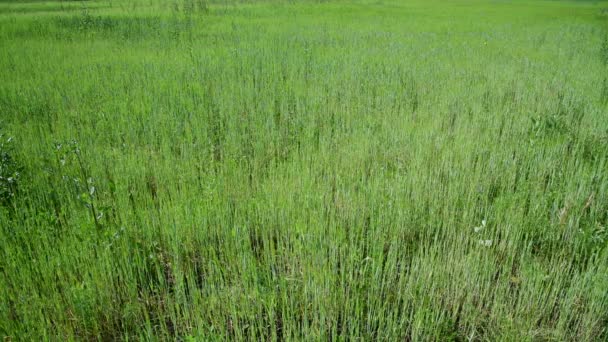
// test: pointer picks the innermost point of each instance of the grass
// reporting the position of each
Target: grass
(333, 170)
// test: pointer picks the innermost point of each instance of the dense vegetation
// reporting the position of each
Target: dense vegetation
(394, 170)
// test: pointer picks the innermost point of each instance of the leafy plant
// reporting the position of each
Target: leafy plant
(9, 171)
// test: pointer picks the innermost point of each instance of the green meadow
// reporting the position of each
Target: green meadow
(201, 170)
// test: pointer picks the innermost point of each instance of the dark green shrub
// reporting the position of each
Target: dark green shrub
(9, 171)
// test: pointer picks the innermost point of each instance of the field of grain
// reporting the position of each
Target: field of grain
(304, 170)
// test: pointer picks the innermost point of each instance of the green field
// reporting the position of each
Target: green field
(304, 170)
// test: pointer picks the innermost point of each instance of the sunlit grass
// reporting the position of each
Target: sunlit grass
(303, 170)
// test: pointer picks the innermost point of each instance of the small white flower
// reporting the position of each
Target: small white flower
(485, 243)
(479, 228)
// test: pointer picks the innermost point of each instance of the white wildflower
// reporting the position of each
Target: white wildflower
(485, 243)
(480, 228)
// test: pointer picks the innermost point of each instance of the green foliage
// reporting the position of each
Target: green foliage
(296, 170)
(9, 170)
